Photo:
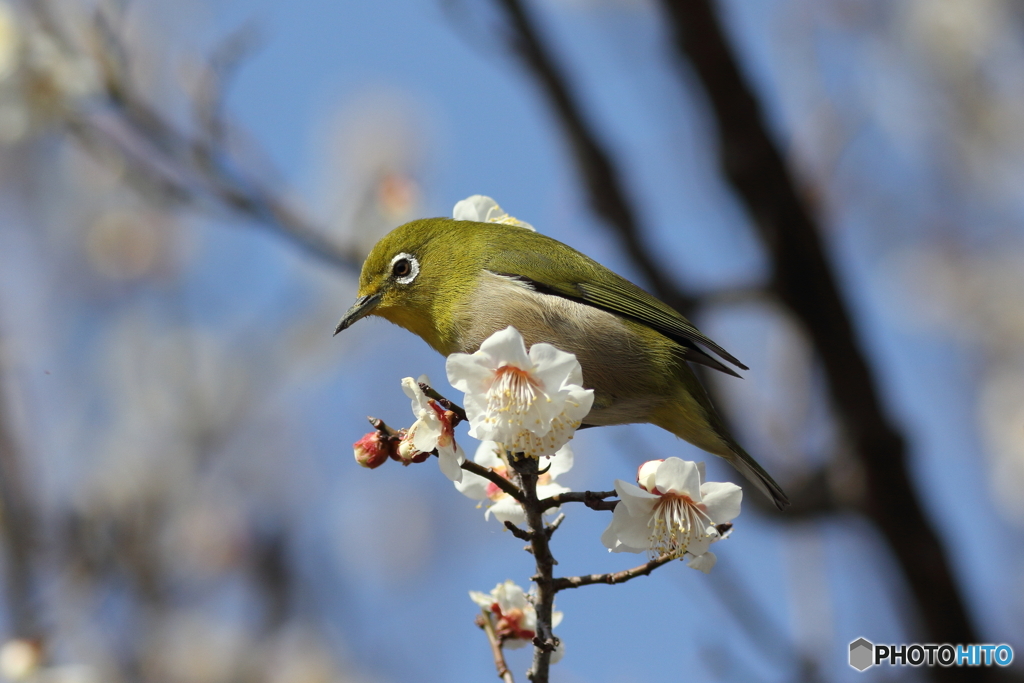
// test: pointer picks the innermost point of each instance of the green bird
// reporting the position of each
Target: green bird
(455, 283)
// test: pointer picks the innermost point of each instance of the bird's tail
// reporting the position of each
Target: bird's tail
(756, 475)
(691, 416)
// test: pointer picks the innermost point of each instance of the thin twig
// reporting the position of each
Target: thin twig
(495, 478)
(553, 527)
(611, 578)
(517, 532)
(485, 622)
(459, 411)
(470, 466)
(595, 500)
(187, 169)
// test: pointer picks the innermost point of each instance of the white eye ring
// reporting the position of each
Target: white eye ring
(414, 268)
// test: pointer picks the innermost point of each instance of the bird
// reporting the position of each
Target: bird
(456, 282)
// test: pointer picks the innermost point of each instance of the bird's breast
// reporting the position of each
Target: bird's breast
(629, 366)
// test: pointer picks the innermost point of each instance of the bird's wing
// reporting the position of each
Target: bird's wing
(582, 279)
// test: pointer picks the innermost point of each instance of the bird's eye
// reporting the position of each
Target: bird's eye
(401, 268)
(404, 268)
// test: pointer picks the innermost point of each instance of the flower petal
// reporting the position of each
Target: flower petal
(548, 490)
(506, 347)
(636, 500)
(559, 463)
(413, 391)
(425, 432)
(506, 509)
(474, 208)
(679, 476)
(722, 500)
(450, 459)
(703, 562)
(646, 473)
(555, 368)
(509, 596)
(627, 533)
(469, 372)
(482, 599)
(472, 486)
(488, 454)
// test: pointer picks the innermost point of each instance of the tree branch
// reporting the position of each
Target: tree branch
(445, 403)
(186, 168)
(18, 526)
(595, 500)
(545, 641)
(486, 622)
(803, 279)
(605, 189)
(563, 583)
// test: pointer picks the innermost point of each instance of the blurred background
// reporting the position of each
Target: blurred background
(187, 190)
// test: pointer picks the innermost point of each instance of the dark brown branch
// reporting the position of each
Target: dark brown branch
(517, 532)
(803, 279)
(550, 529)
(595, 500)
(545, 641)
(605, 189)
(562, 583)
(460, 413)
(495, 478)
(485, 622)
(17, 525)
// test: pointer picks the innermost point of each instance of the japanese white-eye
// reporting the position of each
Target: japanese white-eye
(454, 283)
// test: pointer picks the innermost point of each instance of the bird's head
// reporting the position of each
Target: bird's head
(413, 275)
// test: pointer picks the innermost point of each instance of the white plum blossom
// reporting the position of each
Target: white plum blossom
(530, 403)
(515, 615)
(673, 511)
(504, 507)
(432, 429)
(485, 210)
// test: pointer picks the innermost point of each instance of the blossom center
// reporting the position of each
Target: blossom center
(510, 624)
(677, 522)
(514, 391)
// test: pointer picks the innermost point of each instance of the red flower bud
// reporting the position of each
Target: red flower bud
(372, 450)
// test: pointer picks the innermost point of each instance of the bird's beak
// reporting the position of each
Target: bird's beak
(363, 306)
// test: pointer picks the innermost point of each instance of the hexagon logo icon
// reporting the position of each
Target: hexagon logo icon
(862, 654)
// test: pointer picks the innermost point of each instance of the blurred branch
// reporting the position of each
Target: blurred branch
(612, 577)
(18, 525)
(192, 169)
(486, 622)
(804, 280)
(605, 190)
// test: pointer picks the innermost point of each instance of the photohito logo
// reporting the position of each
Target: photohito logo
(864, 654)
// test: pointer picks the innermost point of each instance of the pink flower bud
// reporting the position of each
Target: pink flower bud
(645, 475)
(372, 450)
